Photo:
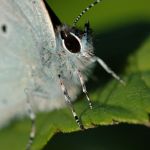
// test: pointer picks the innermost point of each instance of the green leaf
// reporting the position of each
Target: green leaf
(122, 36)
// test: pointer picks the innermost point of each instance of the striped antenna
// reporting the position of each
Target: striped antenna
(84, 11)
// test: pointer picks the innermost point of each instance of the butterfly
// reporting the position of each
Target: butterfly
(43, 62)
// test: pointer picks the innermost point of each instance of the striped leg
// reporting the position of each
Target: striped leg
(84, 88)
(32, 117)
(108, 70)
(68, 102)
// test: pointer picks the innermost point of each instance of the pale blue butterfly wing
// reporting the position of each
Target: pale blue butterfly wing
(25, 28)
(26, 35)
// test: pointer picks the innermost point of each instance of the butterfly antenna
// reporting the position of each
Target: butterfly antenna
(84, 11)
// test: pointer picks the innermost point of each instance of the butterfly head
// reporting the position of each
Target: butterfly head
(74, 47)
(75, 41)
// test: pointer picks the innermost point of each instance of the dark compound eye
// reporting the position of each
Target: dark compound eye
(71, 42)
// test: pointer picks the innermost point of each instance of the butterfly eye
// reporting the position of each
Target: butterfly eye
(71, 42)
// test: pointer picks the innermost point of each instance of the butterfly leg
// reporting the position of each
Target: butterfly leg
(84, 88)
(68, 102)
(108, 70)
(32, 117)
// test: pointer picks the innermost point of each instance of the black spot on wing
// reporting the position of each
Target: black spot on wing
(4, 28)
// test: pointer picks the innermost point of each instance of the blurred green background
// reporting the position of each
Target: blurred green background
(119, 28)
